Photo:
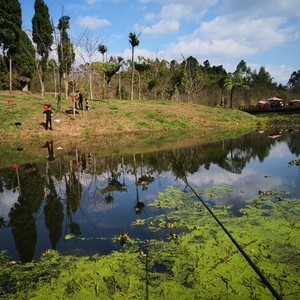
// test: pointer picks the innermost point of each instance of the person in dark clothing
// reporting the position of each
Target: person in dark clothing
(80, 99)
(51, 155)
(48, 112)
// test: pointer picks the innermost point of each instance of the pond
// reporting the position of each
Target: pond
(78, 202)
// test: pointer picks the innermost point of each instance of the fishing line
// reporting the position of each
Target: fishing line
(252, 264)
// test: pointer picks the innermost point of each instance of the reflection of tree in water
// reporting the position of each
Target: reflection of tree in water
(32, 184)
(235, 162)
(73, 194)
(294, 143)
(1, 185)
(23, 227)
(21, 215)
(113, 182)
(231, 155)
(54, 214)
(143, 180)
(114, 185)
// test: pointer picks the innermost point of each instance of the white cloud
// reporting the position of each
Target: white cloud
(172, 12)
(163, 26)
(92, 22)
(259, 34)
(258, 8)
(176, 11)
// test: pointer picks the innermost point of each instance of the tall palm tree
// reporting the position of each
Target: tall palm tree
(102, 49)
(233, 81)
(134, 42)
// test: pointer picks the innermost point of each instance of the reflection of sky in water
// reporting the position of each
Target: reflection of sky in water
(7, 200)
(274, 173)
(97, 218)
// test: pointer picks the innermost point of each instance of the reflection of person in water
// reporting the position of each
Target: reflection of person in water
(51, 155)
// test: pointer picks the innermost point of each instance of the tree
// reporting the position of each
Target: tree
(42, 35)
(233, 81)
(141, 67)
(134, 42)
(294, 82)
(119, 92)
(3, 73)
(66, 55)
(53, 66)
(90, 46)
(10, 24)
(262, 84)
(109, 69)
(24, 63)
(103, 49)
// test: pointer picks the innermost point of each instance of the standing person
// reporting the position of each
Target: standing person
(75, 100)
(87, 104)
(80, 98)
(48, 112)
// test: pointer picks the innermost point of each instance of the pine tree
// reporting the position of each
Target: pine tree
(24, 61)
(66, 55)
(42, 35)
(10, 24)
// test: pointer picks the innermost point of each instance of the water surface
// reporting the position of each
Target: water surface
(95, 198)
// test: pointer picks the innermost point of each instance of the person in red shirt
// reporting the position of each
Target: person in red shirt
(48, 112)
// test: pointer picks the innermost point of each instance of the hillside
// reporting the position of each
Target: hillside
(116, 123)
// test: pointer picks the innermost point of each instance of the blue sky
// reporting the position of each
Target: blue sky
(262, 33)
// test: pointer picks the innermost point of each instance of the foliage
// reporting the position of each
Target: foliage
(65, 51)
(233, 81)
(24, 56)
(42, 29)
(294, 82)
(185, 81)
(10, 24)
(102, 49)
(194, 257)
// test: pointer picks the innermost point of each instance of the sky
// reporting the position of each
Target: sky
(224, 32)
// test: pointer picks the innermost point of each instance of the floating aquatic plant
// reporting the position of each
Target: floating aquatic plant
(194, 257)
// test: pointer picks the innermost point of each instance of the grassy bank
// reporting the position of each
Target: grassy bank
(114, 121)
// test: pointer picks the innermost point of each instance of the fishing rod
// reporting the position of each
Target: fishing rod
(252, 264)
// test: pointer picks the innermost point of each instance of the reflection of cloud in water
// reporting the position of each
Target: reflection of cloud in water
(244, 186)
(7, 199)
(280, 151)
(218, 176)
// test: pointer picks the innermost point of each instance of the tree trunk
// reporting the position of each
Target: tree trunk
(66, 83)
(132, 74)
(139, 75)
(90, 83)
(120, 88)
(40, 75)
(74, 109)
(54, 80)
(59, 95)
(10, 74)
(231, 97)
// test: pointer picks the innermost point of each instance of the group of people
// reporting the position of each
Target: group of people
(77, 99)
